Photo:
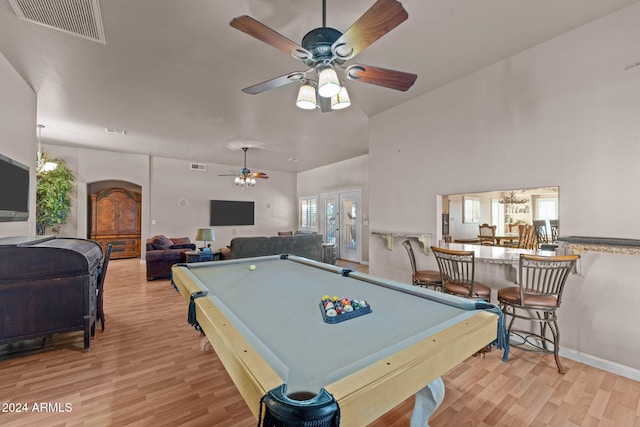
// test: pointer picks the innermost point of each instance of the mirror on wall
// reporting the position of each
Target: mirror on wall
(462, 214)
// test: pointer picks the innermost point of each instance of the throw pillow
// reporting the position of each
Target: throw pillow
(161, 242)
(225, 252)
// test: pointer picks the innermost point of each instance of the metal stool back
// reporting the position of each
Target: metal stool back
(536, 300)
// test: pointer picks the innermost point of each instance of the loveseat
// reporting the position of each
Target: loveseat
(305, 245)
(163, 252)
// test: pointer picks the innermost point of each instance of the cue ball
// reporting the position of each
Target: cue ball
(252, 267)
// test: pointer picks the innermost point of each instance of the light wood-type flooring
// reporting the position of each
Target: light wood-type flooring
(147, 369)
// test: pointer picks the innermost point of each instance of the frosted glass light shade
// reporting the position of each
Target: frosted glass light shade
(341, 100)
(328, 83)
(306, 97)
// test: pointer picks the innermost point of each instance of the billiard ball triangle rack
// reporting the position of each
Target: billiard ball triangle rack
(332, 314)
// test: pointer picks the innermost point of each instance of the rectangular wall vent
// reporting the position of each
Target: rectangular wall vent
(115, 131)
(198, 166)
(78, 17)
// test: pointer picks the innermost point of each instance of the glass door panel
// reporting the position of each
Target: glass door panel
(350, 226)
(329, 219)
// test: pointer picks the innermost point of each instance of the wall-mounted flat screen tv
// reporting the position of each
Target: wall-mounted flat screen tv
(231, 212)
(14, 190)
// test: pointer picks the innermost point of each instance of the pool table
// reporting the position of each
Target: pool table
(267, 327)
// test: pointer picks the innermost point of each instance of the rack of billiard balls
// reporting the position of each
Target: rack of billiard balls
(336, 309)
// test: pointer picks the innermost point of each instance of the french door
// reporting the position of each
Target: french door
(341, 223)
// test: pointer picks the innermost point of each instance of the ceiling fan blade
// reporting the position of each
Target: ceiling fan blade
(275, 83)
(259, 175)
(381, 18)
(392, 79)
(258, 30)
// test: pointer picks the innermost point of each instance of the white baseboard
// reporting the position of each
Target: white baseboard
(605, 365)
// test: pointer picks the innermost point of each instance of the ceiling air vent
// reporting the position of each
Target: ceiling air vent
(198, 166)
(78, 17)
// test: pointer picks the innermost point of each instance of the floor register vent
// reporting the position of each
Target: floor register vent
(78, 17)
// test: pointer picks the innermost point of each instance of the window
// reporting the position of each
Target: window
(470, 210)
(308, 213)
(547, 208)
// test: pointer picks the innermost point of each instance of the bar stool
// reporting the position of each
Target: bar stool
(424, 278)
(457, 269)
(536, 299)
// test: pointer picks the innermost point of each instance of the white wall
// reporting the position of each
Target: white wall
(173, 180)
(569, 100)
(166, 182)
(18, 140)
(90, 166)
(351, 174)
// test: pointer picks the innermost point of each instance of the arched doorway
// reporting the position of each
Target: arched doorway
(114, 217)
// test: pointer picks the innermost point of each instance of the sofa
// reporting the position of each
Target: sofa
(305, 245)
(163, 252)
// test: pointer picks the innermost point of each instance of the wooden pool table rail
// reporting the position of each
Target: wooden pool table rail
(364, 395)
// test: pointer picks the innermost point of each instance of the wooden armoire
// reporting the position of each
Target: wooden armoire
(114, 216)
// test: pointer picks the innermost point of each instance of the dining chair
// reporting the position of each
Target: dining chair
(457, 270)
(554, 224)
(487, 234)
(536, 300)
(424, 278)
(527, 237)
(540, 227)
(100, 290)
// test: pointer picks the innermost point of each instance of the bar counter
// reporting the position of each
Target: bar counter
(495, 254)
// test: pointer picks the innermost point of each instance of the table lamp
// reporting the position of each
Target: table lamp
(205, 235)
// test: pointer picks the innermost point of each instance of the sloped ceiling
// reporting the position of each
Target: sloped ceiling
(170, 72)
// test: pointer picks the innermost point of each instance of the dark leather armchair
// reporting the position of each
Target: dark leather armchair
(163, 252)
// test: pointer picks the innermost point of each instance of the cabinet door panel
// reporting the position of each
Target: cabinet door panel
(107, 210)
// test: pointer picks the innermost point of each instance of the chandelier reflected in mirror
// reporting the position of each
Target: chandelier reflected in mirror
(512, 199)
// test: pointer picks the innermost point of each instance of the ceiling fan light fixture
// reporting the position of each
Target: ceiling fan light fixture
(341, 100)
(306, 97)
(328, 83)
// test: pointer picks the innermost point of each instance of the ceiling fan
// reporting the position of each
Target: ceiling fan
(245, 177)
(323, 49)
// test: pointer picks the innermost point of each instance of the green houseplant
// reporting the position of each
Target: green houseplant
(53, 196)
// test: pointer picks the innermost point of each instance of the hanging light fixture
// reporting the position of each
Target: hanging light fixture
(341, 100)
(512, 199)
(328, 83)
(245, 182)
(41, 165)
(306, 97)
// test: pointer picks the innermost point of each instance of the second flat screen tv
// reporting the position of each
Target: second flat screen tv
(230, 212)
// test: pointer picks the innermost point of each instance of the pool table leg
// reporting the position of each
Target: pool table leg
(427, 401)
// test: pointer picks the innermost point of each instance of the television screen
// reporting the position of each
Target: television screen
(14, 190)
(229, 212)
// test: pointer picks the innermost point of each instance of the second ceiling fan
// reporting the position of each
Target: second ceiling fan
(324, 49)
(245, 178)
